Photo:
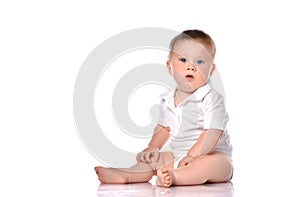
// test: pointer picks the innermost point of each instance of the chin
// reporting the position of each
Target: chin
(187, 89)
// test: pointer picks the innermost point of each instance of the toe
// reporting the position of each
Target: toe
(96, 169)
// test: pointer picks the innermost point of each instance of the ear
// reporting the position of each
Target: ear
(212, 69)
(169, 67)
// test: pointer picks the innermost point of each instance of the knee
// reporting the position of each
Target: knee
(204, 160)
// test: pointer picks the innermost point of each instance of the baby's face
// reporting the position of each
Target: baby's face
(190, 64)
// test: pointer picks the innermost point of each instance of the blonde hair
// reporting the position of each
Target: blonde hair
(196, 35)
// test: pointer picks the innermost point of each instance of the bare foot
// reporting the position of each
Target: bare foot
(111, 175)
(164, 179)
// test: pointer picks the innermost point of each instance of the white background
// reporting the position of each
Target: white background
(43, 44)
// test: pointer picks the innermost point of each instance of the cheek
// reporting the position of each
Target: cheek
(179, 67)
(178, 75)
(204, 73)
(177, 64)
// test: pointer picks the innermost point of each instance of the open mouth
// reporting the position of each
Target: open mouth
(189, 77)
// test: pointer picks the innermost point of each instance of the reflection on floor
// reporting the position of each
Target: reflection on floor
(147, 189)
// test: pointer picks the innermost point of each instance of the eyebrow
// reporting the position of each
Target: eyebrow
(198, 57)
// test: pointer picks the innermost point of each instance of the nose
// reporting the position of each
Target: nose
(191, 66)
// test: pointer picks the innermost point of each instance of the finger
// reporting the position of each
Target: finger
(138, 157)
(142, 158)
(156, 156)
(148, 156)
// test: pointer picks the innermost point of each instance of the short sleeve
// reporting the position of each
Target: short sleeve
(215, 115)
(163, 118)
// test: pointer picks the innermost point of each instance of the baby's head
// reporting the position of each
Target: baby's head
(195, 35)
(191, 59)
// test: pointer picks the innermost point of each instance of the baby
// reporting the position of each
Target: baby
(193, 116)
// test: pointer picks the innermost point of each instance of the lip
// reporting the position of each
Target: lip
(189, 77)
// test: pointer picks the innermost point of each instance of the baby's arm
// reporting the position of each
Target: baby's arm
(204, 145)
(160, 137)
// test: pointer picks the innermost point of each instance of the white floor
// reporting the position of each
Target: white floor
(150, 189)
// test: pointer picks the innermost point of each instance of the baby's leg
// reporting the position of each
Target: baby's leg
(138, 173)
(210, 168)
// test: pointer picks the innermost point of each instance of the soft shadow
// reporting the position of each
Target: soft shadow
(147, 189)
(138, 189)
(206, 190)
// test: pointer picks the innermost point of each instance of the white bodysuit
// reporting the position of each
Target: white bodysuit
(202, 110)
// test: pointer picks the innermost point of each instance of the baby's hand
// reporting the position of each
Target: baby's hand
(185, 161)
(147, 154)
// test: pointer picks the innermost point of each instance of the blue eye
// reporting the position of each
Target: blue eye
(199, 62)
(183, 60)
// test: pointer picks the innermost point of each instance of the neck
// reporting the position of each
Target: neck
(181, 96)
